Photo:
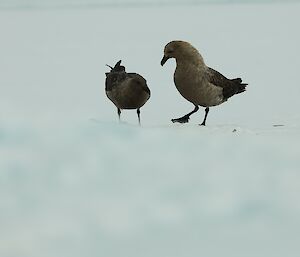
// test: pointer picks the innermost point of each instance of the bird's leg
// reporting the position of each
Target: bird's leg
(206, 112)
(138, 113)
(119, 114)
(185, 118)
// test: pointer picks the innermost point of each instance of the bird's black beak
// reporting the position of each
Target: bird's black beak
(164, 59)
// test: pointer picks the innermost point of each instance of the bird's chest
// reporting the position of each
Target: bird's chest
(189, 82)
(120, 94)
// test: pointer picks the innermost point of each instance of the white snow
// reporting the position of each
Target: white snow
(74, 182)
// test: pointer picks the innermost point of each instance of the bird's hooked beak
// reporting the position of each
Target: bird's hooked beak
(164, 59)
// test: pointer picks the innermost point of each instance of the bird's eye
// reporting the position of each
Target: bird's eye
(170, 51)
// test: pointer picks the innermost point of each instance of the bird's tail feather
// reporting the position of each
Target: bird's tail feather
(235, 87)
(241, 87)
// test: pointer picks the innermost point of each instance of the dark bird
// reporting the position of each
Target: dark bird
(196, 82)
(126, 90)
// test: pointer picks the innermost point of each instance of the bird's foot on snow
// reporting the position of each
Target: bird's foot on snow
(184, 119)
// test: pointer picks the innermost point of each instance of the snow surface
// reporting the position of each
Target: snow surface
(74, 182)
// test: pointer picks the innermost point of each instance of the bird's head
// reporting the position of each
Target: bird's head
(118, 67)
(179, 50)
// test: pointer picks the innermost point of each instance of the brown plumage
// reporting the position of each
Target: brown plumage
(126, 90)
(196, 82)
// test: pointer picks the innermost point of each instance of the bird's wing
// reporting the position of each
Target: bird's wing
(140, 80)
(230, 86)
(217, 79)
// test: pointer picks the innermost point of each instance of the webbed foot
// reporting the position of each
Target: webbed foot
(184, 119)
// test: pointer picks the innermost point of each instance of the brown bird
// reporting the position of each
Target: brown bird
(196, 82)
(126, 90)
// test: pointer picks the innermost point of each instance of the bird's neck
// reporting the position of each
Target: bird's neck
(190, 59)
(188, 64)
